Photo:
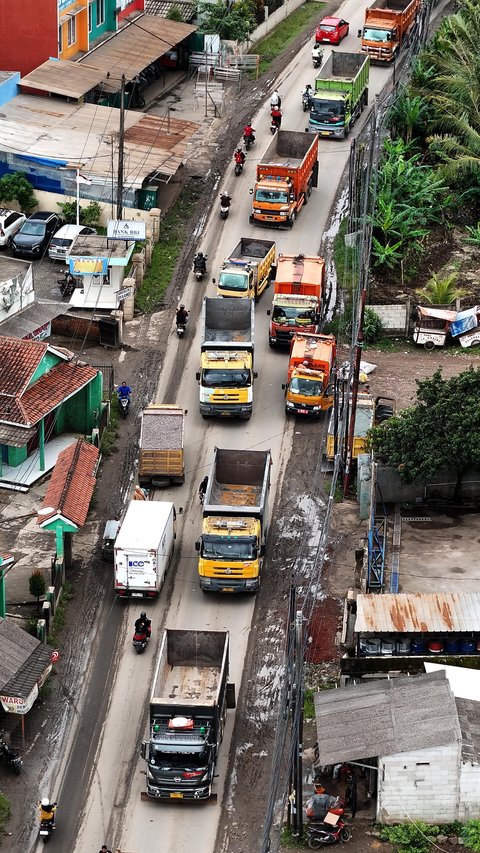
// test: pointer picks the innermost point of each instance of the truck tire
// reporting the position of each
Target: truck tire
(305, 197)
(365, 98)
(251, 219)
(291, 220)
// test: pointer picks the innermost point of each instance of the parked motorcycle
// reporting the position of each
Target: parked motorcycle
(67, 284)
(140, 642)
(307, 98)
(124, 403)
(225, 202)
(11, 758)
(321, 834)
(317, 56)
(199, 265)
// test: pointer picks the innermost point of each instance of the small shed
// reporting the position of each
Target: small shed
(25, 664)
(424, 743)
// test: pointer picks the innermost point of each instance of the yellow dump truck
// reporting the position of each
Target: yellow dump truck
(363, 421)
(235, 518)
(161, 446)
(248, 270)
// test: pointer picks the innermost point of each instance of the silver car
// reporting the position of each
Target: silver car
(61, 243)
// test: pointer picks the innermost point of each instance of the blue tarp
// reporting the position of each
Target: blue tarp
(465, 321)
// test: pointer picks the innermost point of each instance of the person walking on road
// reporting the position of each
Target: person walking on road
(202, 489)
(104, 849)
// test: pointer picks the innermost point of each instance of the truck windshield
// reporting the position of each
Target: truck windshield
(233, 281)
(376, 35)
(228, 548)
(226, 378)
(289, 315)
(169, 761)
(306, 387)
(330, 112)
(272, 196)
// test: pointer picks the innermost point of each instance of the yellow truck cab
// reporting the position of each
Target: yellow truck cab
(235, 519)
(248, 270)
(226, 373)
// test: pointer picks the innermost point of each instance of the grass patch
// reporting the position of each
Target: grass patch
(275, 43)
(308, 706)
(5, 812)
(108, 443)
(288, 839)
(165, 254)
(60, 616)
(344, 258)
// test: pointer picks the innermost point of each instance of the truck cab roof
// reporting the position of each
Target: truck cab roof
(218, 526)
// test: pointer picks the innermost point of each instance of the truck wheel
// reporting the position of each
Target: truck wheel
(246, 417)
(291, 220)
(231, 701)
(251, 219)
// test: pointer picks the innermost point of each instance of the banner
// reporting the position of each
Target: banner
(88, 266)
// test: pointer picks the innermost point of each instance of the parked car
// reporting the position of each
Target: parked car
(10, 222)
(35, 234)
(62, 241)
(332, 30)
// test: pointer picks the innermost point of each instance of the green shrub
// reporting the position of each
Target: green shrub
(372, 326)
(471, 835)
(410, 837)
(5, 812)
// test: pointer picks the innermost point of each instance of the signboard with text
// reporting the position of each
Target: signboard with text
(88, 266)
(126, 229)
(17, 704)
(124, 293)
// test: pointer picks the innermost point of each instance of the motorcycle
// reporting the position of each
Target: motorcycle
(11, 758)
(239, 161)
(225, 202)
(181, 327)
(67, 284)
(275, 124)
(306, 99)
(248, 141)
(320, 834)
(200, 266)
(317, 56)
(140, 642)
(47, 826)
(124, 403)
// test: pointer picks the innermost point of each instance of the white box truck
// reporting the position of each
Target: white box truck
(144, 548)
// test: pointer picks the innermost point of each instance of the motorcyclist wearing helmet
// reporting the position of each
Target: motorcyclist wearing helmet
(225, 199)
(143, 625)
(239, 157)
(276, 115)
(200, 262)
(275, 100)
(182, 315)
(248, 131)
(47, 811)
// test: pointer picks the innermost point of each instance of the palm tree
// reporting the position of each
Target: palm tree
(441, 291)
(407, 117)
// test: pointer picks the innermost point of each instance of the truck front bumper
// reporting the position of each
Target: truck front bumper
(269, 219)
(157, 793)
(229, 585)
(301, 409)
(327, 132)
(226, 410)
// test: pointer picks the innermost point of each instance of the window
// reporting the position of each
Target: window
(72, 31)
(90, 18)
(100, 12)
(60, 39)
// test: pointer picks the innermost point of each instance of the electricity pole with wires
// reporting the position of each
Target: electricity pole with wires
(121, 150)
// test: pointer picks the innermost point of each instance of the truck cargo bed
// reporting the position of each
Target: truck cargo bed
(227, 320)
(192, 683)
(250, 248)
(233, 495)
(162, 429)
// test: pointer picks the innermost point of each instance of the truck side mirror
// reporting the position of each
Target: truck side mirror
(284, 387)
(180, 510)
(359, 34)
(255, 374)
(197, 377)
(262, 551)
(214, 280)
(197, 545)
(268, 312)
(251, 192)
(144, 750)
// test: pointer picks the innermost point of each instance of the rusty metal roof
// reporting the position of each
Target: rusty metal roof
(418, 613)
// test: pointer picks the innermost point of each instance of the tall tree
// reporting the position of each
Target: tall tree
(439, 433)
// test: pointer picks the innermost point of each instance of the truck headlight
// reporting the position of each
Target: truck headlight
(206, 581)
(290, 405)
(315, 408)
(251, 584)
(283, 213)
(256, 210)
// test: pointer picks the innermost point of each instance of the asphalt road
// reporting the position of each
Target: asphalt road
(100, 794)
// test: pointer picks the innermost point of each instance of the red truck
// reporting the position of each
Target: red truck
(388, 23)
(298, 297)
(285, 178)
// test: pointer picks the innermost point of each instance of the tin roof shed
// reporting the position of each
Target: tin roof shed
(418, 613)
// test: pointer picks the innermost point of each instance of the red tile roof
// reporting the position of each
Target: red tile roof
(46, 394)
(18, 362)
(71, 485)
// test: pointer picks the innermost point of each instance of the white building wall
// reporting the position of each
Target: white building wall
(469, 806)
(423, 784)
(16, 293)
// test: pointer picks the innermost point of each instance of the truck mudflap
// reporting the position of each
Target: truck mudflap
(237, 410)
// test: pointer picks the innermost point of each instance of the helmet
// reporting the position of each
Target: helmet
(143, 615)
(45, 801)
(200, 255)
(182, 306)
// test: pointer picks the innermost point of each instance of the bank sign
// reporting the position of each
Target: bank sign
(126, 229)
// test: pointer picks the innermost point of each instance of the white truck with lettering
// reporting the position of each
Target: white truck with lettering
(144, 548)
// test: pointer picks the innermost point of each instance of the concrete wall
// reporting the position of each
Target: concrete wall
(469, 806)
(48, 201)
(9, 87)
(16, 293)
(392, 490)
(394, 317)
(424, 784)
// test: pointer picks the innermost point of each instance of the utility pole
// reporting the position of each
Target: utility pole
(206, 80)
(298, 727)
(121, 146)
(353, 406)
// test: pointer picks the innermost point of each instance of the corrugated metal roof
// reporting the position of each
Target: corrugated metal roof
(28, 321)
(418, 613)
(16, 648)
(163, 7)
(385, 718)
(63, 77)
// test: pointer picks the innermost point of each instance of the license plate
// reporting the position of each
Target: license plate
(176, 796)
(302, 411)
(137, 595)
(325, 133)
(228, 589)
